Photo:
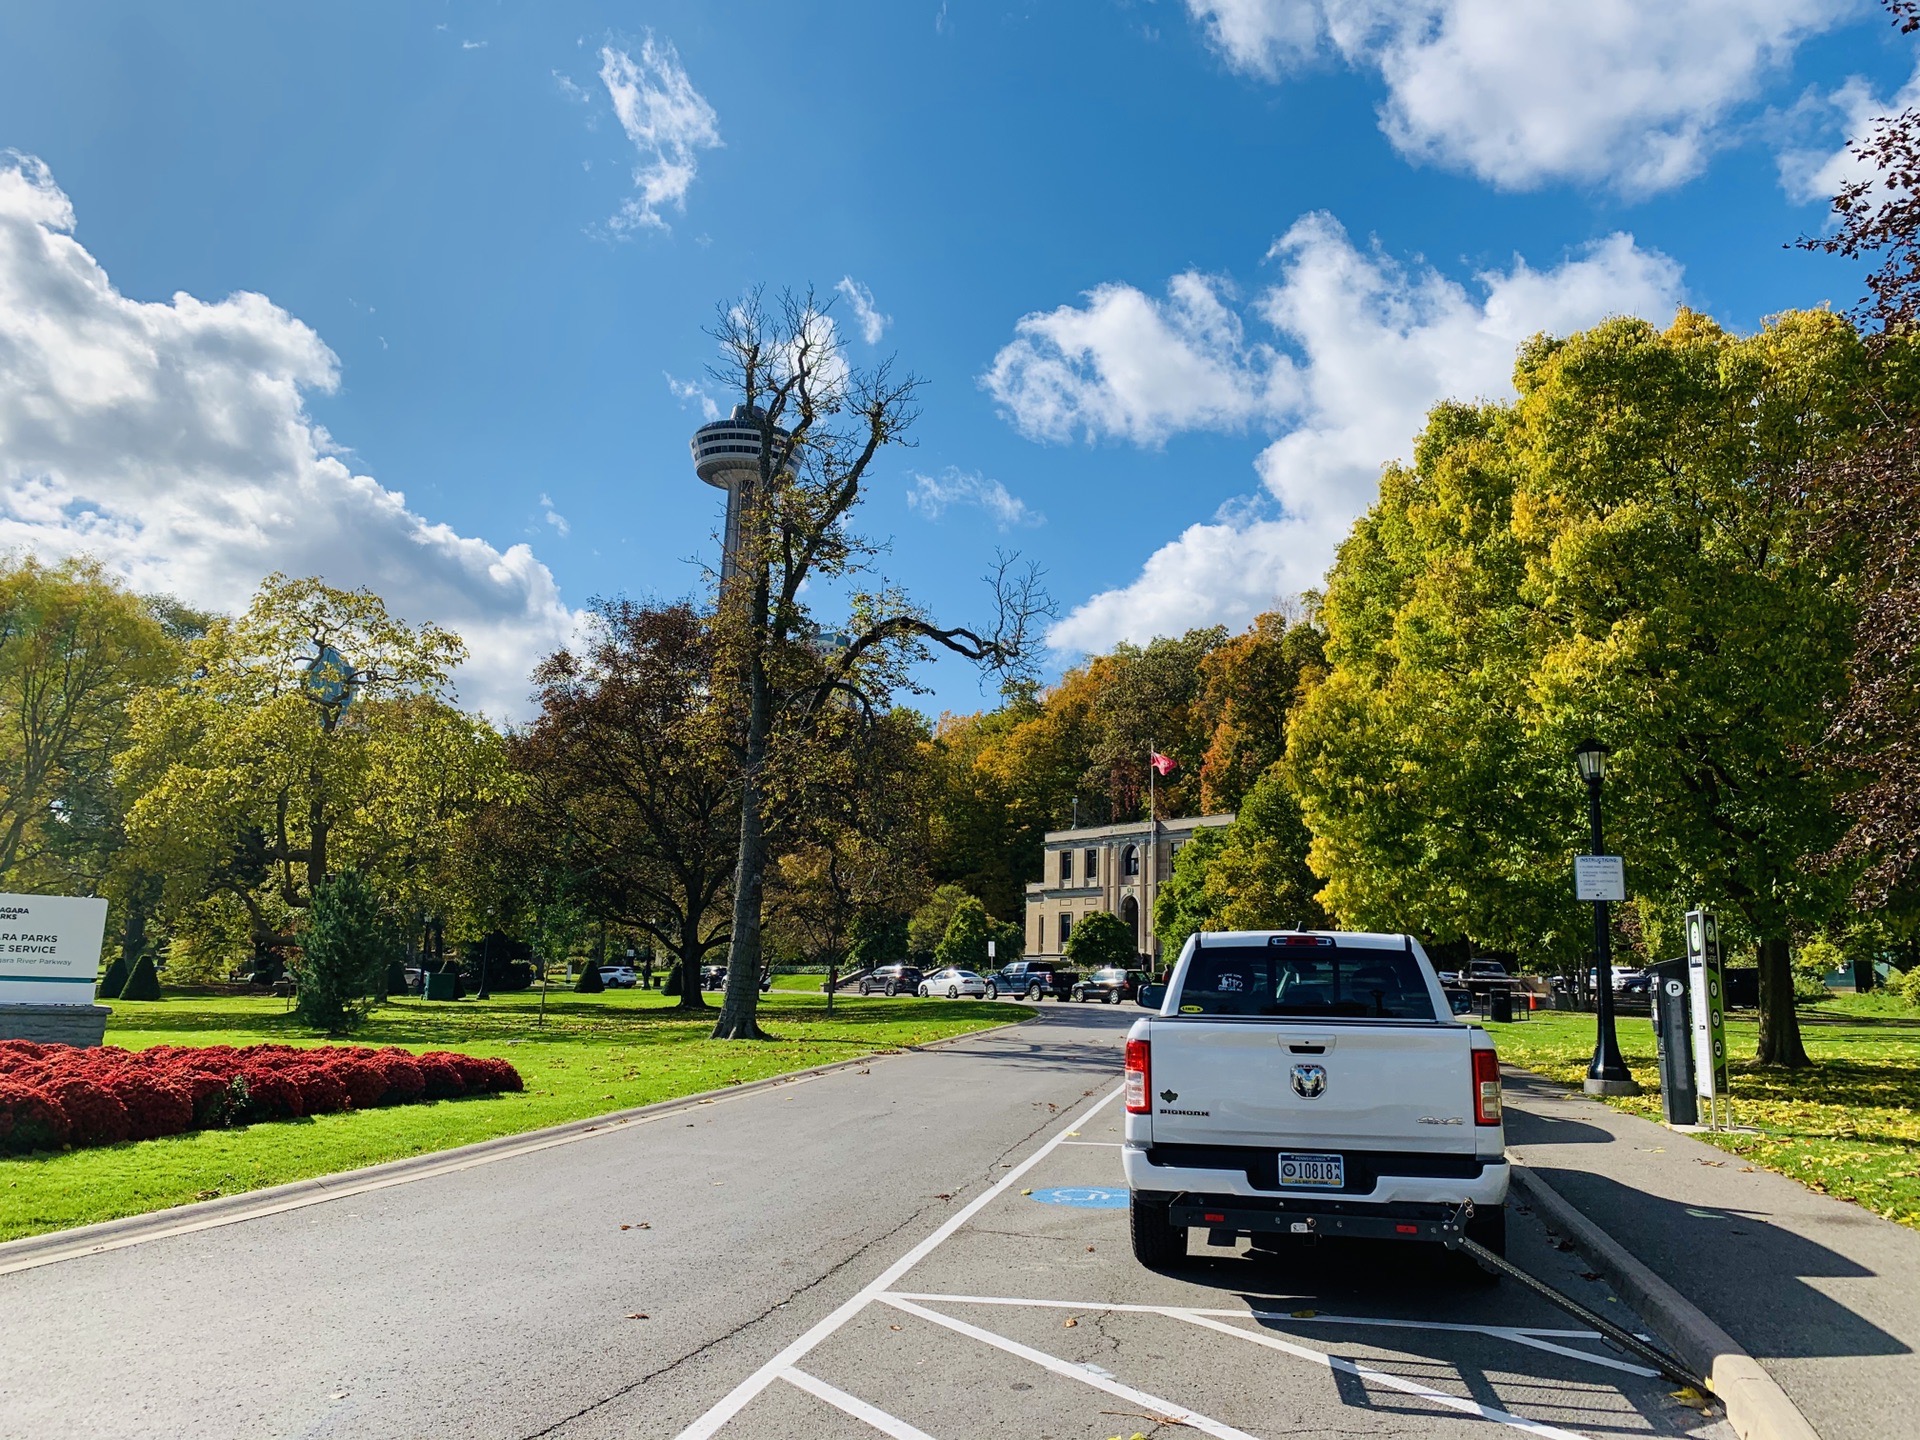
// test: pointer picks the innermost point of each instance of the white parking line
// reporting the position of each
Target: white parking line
(737, 1398)
(1174, 1414)
(1379, 1377)
(853, 1405)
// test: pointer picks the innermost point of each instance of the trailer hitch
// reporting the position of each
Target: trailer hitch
(1455, 1237)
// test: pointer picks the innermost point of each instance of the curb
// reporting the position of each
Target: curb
(1757, 1408)
(32, 1251)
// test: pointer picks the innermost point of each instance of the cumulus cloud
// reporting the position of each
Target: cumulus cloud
(932, 495)
(692, 392)
(1127, 365)
(1819, 172)
(171, 440)
(1632, 93)
(1365, 344)
(669, 123)
(865, 313)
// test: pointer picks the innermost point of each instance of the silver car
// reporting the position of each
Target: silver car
(952, 984)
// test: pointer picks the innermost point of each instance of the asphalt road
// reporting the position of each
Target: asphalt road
(850, 1255)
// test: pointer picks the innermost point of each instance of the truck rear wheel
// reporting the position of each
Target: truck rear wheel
(1157, 1243)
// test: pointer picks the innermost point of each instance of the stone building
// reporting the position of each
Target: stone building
(1117, 868)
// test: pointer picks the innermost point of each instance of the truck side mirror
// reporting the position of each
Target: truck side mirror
(1152, 997)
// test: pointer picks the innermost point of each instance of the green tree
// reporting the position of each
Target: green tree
(965, 943)
(1100, 940)
(1184, 903)
(1621, 552)
(76, 649)
(271, 766)
(929, 924)
(1259, 879)
(345, 946)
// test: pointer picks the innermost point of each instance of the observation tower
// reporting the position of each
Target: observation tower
(726, 454)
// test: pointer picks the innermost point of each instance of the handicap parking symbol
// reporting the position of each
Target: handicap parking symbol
(1084, 1197)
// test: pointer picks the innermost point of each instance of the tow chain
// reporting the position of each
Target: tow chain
(1456, 1238)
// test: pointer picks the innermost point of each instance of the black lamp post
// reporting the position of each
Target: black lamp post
(1607, 1074)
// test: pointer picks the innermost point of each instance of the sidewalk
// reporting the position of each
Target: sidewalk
(1825, 1295)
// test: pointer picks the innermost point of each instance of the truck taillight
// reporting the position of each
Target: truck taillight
(1486, 1087)
(1139, 1077)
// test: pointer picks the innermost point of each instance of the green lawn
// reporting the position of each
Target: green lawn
(594, 1053)
(1849, 1126)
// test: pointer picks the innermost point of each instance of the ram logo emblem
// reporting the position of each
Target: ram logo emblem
(1309, 1081)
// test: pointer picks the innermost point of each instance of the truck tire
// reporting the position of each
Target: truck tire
(1157, 1244)
(1033, 991)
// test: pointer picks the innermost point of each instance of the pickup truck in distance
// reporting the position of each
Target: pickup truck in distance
(1308, 1084)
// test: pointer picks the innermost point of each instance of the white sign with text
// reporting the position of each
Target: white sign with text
(1599, 877)
(50, 949)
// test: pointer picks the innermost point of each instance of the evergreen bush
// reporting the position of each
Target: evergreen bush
(143, 981)
(115, 980)
(346, 945)
(590, 982)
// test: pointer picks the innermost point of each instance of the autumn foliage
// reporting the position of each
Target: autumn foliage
(53, 1096)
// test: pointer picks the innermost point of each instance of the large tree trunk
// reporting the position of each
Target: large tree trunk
(1779, 1024)
(739, 1014)
(690, 997)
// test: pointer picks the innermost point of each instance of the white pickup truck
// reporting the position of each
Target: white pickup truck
(1308, 1084)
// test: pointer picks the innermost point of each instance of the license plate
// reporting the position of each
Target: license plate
(1313, 1172)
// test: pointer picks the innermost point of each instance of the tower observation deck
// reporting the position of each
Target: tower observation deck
(726, 454)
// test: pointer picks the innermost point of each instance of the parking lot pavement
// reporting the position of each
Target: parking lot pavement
(1026, 1315)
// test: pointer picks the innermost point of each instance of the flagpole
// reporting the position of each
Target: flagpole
(1153, 857)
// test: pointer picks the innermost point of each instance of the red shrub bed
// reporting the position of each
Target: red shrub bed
(52, 1096)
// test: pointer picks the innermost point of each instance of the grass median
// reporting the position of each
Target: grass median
(1848, 1126)
(590, 1055)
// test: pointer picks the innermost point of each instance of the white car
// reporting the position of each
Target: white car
(618, 977)
(953, 984)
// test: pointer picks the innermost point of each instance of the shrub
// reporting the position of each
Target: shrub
(346, 944)
(321, 1092)
(443, 1081)
(365, 1080)
(143, 981)
(1907, 986)
(30, 1119)
(93, 1111)
(1101, 940)
(406, 1082)
(155, 1105)
(115, 980)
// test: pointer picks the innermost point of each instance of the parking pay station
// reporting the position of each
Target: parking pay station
(1708, 1014)
(1673, 1040)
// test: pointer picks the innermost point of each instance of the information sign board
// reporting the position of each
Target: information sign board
(1599, 877)
(50, 949)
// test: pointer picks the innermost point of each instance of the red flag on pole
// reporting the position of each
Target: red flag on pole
(1162, 764)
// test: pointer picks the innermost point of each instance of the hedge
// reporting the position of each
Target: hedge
(54, 1096)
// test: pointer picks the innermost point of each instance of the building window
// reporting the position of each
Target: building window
(1092, 866)
(1066, 866)
(1066, 928)
(1130, 861)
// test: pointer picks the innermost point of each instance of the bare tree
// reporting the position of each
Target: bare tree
(822, 422)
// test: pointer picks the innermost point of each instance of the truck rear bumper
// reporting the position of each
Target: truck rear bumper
(1487, 1188)
(1231, 1215)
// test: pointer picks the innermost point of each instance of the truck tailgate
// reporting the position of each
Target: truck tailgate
(1317, 1083)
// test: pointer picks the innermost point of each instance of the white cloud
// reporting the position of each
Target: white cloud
(692, 392)
(1135, 368)
(1633, 93)
(872, 323)
(667, 120)
(473, 44)
(171, 440)
(1818, 173)
(554, 518)
(933, 494)
(1367, 345)
(573, 91)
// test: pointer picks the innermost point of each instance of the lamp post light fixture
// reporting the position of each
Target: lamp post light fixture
(1607, 1073)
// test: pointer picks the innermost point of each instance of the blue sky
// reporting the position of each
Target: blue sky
(1179, 276)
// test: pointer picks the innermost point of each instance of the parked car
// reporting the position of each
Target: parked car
(1024, 978)
(713, 977)
(1477, 974)
(952, 983)
(1111, 985)
(1309, 1083)
(891, 980)
(618, 977)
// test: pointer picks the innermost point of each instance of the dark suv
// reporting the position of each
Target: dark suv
(891, 980)
(1032, 981)
(1111, 986)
